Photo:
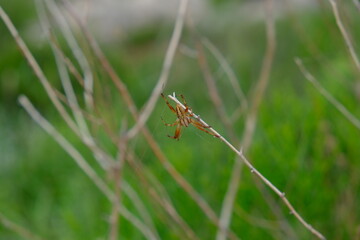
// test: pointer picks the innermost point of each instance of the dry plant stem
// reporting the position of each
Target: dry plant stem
(117, 170)
(199, 200)
(345, 34)
(51, 92)
(169, 57)
(48, 88)
(38, 72)
(283, 223)
(271, 226)
(81, 162)
(229, 72)
(257, 221)
(139, 206)
(98, 153)
(91, 118)
(218, 104)
(78, 77)
(114, 217)
(213, 92)
(204, 206)
(230, 130)
(72, 100)
(303, 35)
(63, 73)
(149, 138)
(19, 230)
(312, 48)
(263, 81)
(256, 173)
(158, 193)
(250, 124)
(340, 107)
(67, 61)
(76, 50)
(163, 202)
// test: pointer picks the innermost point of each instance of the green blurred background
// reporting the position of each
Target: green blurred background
(302, 143)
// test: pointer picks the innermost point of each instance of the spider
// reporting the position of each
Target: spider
(184, 118)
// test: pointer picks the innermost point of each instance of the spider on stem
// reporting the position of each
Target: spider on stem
(185, 117)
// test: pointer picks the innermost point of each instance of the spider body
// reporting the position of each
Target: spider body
(184, 119)
(182, 116)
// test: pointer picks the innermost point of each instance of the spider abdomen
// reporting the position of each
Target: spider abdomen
(185, 121)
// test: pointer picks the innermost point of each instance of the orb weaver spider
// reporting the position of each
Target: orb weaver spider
(184, 119)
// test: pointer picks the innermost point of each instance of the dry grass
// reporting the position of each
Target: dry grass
(77, 115)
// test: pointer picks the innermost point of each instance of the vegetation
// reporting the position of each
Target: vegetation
(301, 142)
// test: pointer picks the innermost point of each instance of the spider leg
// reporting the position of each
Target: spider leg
(169, 105)
(170, 124)
(196, 121)
(177, 133)
(187, 108)
(202, 128)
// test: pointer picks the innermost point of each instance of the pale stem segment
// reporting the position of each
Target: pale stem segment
(255, 172)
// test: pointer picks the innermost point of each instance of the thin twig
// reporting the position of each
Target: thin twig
(229, 72)
(66, 60)
(275, 207)
(169, 57)
(257, 221)
(52, 93)
(114, 217)
(81, 162)
(255, 172)
(264, 77)
(37, 70)
(345, 34)
(213, 91)
(76, 50)
(162, 201)
(95, 120)
(271, 226)
(87, 139)
(124, 93)
(210, 81)
(340, 107)
(116, 173)
(71, 67)
(63, 73)
(16, 228)
(251, 119)
(149, 138)
(139, 205)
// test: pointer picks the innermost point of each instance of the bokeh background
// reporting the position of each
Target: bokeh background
(302, 143)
